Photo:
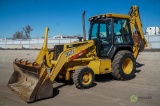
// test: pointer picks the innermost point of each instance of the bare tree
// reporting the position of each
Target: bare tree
(27, 31)
(18, 35)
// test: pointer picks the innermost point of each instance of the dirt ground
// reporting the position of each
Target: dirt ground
(143, 90)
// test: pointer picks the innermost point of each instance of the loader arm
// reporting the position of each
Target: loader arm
(67, 56)
(135, 22)
(44, 53)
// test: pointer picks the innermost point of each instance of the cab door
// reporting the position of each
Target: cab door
(101, 33)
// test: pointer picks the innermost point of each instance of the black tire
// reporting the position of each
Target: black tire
(80, 80)
(122, 59)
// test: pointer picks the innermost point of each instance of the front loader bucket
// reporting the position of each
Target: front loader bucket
(30, 82)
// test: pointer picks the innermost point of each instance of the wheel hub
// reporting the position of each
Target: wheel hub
(127, 66)
(86, 78)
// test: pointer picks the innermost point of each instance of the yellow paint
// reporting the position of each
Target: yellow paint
(94, 65)
(117, 15)
(64, 59)
(135, 22)
(105, 66)
(86, 78)
(127, 66)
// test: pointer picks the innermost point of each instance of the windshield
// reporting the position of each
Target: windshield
(94, 31)
(101, 29)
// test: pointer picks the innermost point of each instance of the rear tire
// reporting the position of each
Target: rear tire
(83, 78)
(123, 65)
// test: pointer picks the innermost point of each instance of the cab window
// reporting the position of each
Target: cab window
(94, 31)
(121, 31)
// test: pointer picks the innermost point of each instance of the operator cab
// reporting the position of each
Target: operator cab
(110, 34)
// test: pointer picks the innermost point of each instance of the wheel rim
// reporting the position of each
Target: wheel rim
(86, 78)
(127, 66)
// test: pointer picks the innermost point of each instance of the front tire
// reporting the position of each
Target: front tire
(123, 65)
(83, 78)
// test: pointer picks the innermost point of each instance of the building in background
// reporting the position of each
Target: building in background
(152, 31)
(152, 36)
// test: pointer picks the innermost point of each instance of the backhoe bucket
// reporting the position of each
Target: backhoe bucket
(30, 82)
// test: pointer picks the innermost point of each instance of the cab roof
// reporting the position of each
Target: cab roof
(109, 15)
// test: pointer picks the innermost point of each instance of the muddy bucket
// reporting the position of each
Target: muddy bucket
(30, 82)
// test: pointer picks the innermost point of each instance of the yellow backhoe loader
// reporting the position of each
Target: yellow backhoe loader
(112, 47)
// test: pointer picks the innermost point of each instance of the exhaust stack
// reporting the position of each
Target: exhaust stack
(83, 23)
